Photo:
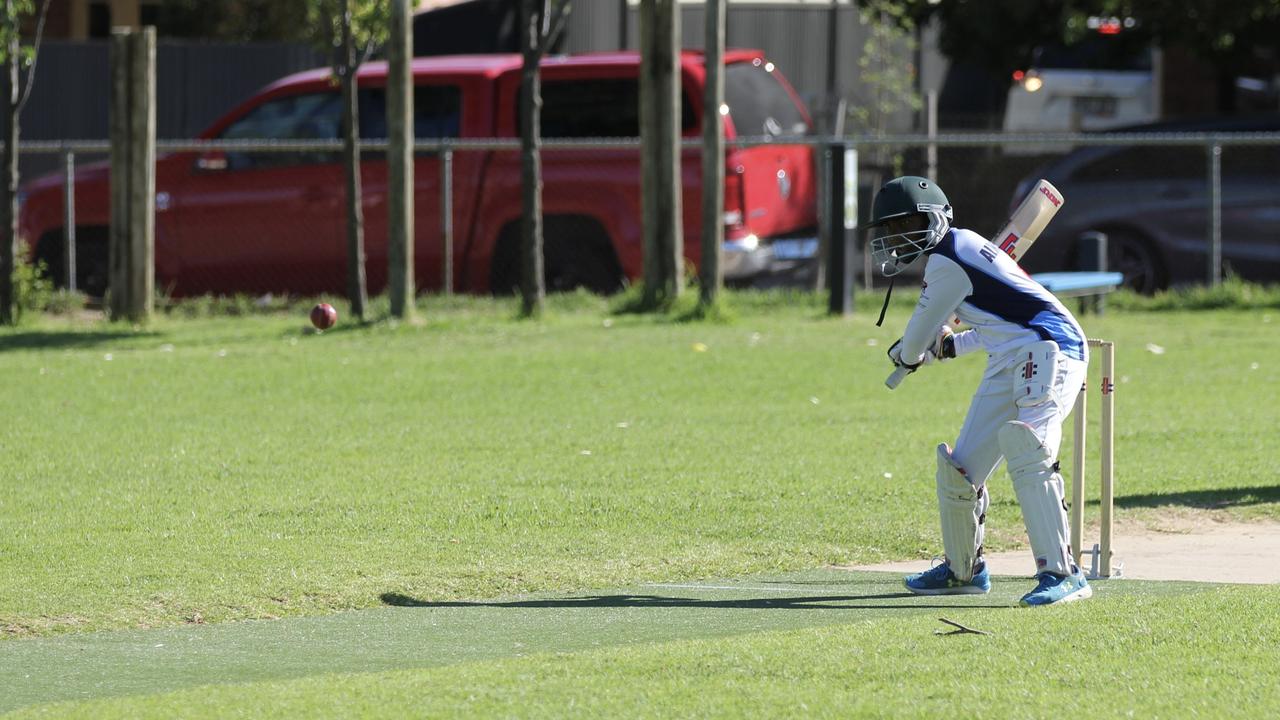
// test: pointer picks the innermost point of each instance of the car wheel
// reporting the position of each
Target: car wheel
(1138, 260)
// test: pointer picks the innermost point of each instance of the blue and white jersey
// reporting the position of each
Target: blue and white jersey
(970, 278)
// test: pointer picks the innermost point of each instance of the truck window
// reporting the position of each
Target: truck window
(597, 108)
(437, 112)
(312, 116)
(758, 103)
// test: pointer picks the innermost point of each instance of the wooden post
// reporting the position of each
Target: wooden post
(400, 206)
(133, 187)
(711, 277)
(660, 150)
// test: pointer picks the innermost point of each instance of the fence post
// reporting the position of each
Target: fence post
(842, 159)
(446, 214)
(69, 220)
(1091, 256)
(133, 191)
(1215, 214)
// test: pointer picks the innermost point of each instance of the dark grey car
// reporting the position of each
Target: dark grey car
(1153, 204)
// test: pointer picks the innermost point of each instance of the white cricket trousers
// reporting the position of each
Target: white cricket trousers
(978, 447)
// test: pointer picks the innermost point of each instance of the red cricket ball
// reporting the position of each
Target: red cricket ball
(323, 316)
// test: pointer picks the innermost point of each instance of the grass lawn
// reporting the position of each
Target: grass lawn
(199, 471)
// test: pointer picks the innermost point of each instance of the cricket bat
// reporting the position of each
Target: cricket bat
(1015, 238)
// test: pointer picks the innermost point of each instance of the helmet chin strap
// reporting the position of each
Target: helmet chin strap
(888, 293)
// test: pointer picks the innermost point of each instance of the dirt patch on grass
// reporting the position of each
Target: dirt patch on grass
(1172, 545)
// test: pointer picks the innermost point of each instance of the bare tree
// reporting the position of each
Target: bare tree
(17, 90)
(351, 29)
(541, 21)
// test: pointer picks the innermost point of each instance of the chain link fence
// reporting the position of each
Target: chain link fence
(268, 216)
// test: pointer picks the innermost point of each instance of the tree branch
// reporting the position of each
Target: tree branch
(553, 26)
(35, 57)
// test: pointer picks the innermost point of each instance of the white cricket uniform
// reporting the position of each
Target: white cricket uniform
(968, 277)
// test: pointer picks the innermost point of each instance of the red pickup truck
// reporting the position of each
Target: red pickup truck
(257, 222)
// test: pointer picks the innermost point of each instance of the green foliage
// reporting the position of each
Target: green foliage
(1231, 293)
(32, 289)
(234, 20)
(1000, 35)
(369, 23)
(881, 68)
(1231, 33)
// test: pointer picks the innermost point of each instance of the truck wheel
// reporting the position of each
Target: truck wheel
(92, 270)
(579, 254)
(576, 252)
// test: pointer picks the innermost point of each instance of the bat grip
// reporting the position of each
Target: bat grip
(895, 379)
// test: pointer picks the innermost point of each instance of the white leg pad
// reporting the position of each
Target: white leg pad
(1039, 489)
(963, 510)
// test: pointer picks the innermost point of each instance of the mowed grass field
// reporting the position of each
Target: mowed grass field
(588, 514)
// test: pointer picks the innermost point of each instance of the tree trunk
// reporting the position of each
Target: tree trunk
(9, 206)
(356, 286)
(711, 277)
(532, 280)
(400, 221)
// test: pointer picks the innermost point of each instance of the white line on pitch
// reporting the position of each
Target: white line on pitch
(735, 587)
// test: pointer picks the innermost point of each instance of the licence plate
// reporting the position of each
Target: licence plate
(795, 248)
(1096, 106)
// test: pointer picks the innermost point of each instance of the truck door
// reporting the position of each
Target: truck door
(265, 221)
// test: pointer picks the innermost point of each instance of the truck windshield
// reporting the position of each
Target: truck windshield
(758, 103)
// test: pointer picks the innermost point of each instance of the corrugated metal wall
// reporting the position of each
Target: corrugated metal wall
(795, 37)
(195, 84)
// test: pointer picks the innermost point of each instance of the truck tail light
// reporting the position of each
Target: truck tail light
(734, 203)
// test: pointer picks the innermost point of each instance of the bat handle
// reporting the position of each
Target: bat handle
(895, 379)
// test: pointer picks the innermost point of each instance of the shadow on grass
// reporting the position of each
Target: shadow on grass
(1204, 499)
(45, 340)
(817, 602)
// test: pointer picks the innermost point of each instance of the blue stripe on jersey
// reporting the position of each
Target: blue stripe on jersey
(1021, 306)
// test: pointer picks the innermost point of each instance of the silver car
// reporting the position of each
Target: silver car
(1152, 202)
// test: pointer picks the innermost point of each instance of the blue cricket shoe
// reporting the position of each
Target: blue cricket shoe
(1053, 589)
(939, 580)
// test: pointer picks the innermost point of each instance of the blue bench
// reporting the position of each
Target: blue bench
(1088, 286)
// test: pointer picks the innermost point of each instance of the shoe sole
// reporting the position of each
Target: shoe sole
(1079, 594)
(967, 590)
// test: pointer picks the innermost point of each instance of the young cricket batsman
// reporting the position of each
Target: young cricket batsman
(1037, 357)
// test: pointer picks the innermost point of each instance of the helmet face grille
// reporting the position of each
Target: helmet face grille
(894, 252)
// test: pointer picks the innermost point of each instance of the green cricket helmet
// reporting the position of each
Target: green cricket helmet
(901, 199)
